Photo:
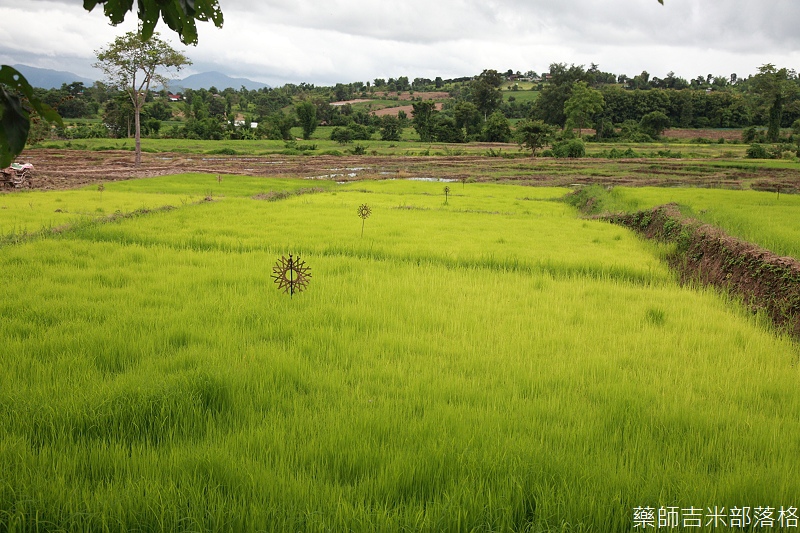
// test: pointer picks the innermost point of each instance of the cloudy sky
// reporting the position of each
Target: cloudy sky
(324, 42)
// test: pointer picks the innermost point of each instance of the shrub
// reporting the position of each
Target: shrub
(757, 151)
(358, 150)
(569, 148)
(630, 131)
(654, 124)
(223, 151)
(341, 135)
(616, 153)
(781, 151)
(749, 134)
(605, 129)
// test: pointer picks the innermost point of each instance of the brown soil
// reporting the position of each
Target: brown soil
(345, 102)
(714, 135)
(431, 95)
(64, 169)
(396, 110)
(708, 255)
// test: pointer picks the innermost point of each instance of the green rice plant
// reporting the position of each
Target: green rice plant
(153, 380)
(758, 217)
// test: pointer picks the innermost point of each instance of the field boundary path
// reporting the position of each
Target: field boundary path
(705, 253)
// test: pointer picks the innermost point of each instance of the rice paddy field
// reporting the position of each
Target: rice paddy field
(768, 219)
(409, 145)
(483, 362)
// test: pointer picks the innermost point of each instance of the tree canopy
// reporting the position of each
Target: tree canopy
(583, 103)
(307, 116)
(774, 88)
(533, 134)
(486, 92)
(179, 15)
(422, 118)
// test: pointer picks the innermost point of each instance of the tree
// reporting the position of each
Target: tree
(118, 116)
(550, 104)
(654, 124)
(132, 64)
(16, 94)
(307, 116)
(390, 128)
(445, 129)
(271, 101)
(422, 118)
(642, 81)
(533, 134)
(485, 91)
(276, 126)
(468, 117)
(774, 87)
(496, 128)
(341, 135)
(583, 103)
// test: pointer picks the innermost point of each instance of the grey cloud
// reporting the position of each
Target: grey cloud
(339, 40)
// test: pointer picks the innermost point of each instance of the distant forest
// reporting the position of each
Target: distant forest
(479, 108)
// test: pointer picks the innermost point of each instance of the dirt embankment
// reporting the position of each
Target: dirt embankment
(706, 254)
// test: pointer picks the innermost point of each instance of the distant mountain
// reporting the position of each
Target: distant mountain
(50, 79)
(219, 80)
(53, 79)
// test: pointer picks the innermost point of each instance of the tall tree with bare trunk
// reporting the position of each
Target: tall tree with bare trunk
(133, 64)
(17, 99)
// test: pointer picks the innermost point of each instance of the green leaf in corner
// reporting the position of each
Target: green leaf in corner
(14, 126)
(15, 120)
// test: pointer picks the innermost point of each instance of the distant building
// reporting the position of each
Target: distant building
(175, 97)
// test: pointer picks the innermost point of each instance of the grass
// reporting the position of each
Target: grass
(763, 218)
(522, 95)
(410, 145)
(30, 212)
(495, 364)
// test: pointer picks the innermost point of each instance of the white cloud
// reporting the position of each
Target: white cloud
(351, 40)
